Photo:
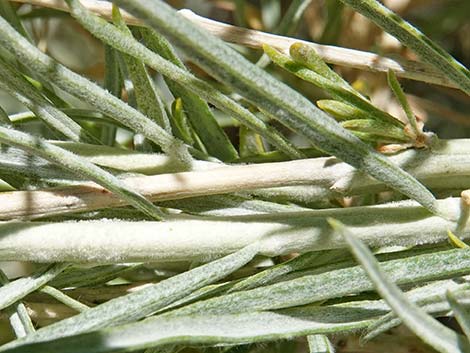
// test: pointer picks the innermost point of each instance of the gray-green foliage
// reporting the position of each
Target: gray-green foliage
(234, 269)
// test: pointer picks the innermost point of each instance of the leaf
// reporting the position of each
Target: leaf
(411, 37)
(332, 283)
(332, 83)
(146, 301)
(429, 297)
(63, 298)
(18, 289)
(426, 327)
(319, 344)
(377, 128)
(148, 99)
(15, 84)
(307, 56)
(17, 314)
(455, 241)
(198, 112)
(213, 329)
(461, 313)
(113, 82)
(400, 95)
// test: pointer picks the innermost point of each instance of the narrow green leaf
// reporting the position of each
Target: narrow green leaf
(212, 329)
(319, 344)
(203, 121)
(287, 26)
(18, 314)
(426, 327)
(4, 119)
(112, 76)
(271, 274)
(146, 301)
(333, 85)
(250, 142)
(291, 19)
(18, 289)
(461, 313)
(411, 37)
(309, 288)
(19, 319)
(113, 82)
(23, 91)
(377, 128)
(334, 20)
(148, 99)
(180, 122)
(341, 110)
(400, 95)
(7, 12)
(98, 275)
(429, 297)
(78, 165)
(240, 13)
(306, 55)
(64, 299)
(455, 241)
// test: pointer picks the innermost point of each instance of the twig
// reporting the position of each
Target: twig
(334, 55)
(184, 238)
(332, 178)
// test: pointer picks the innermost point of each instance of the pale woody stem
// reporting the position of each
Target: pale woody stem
(334, 55)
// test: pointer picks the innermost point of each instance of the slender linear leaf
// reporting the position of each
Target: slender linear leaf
(198, 112)
(461, 313)
(332, 84)
(426, 327)
(148, 99)
(414, 39)
(16, 290)
(22, 90)
(293, 15)
(400, 95)
(18, 314)
(113, 82)
(4, 119)
(63, 298)
(213, 329)
(306, 55)
(430, 298)
(332, 284)
(144, 302)
(319, 344)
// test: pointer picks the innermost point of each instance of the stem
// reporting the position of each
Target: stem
(441, 167)
(333, 55)
(191, 238)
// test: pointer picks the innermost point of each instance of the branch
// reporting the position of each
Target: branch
(203, 238)
(334, 55)
(443, 167)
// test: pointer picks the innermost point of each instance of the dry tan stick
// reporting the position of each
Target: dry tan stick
(90, 196)
(334, 55)
(326, 175)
